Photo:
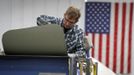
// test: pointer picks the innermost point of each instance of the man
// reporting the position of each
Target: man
(74, 36)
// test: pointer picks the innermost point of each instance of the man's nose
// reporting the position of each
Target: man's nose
(67, 23)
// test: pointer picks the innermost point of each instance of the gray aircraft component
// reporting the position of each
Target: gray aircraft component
(39, 40)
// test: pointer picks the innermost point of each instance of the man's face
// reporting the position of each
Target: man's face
(68, 22)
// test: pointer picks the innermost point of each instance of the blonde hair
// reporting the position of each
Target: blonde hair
(73, 13)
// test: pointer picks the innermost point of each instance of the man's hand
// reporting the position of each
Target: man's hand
(80, 54)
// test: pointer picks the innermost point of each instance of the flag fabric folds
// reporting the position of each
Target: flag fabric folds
(109, 27)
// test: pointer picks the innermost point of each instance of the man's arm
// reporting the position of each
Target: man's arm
(44, 19)
(80, 47)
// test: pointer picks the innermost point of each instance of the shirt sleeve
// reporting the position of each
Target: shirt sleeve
(80, 42)
(44, 19)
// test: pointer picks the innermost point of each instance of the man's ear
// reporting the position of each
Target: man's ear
(64, 14)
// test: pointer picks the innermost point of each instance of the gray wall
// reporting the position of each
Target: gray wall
(23, 13)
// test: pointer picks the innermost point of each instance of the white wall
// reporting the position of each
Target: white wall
(23, 13)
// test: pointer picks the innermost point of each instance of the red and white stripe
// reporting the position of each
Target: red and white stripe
(114, 49)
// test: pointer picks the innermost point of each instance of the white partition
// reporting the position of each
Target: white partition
(102, 69)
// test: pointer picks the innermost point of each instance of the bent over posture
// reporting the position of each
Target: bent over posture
(74, 36)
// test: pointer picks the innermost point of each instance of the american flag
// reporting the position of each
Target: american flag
(109, 27)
